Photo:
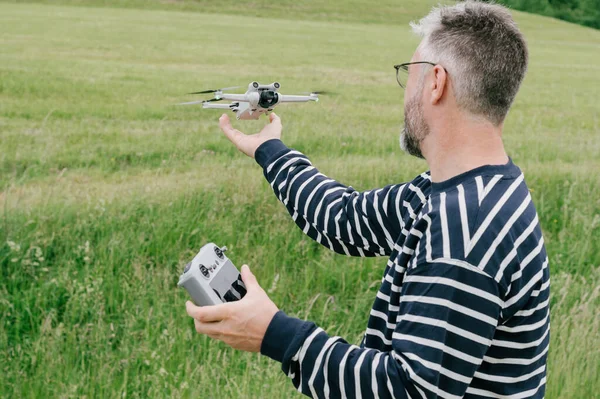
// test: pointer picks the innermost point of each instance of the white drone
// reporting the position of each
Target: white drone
(257, 100)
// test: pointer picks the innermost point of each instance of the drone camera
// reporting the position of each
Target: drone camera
(267, 99)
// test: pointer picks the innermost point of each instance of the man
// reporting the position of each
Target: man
(462, 310)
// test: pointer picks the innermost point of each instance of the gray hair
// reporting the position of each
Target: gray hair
(483, 52)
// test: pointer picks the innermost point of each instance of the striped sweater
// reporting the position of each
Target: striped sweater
(462, 310)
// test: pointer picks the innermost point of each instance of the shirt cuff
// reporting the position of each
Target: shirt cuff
(283, 336)
(268, 151)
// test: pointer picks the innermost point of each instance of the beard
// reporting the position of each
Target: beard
(415, 128)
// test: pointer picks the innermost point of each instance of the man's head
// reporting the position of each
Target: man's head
(479, 58)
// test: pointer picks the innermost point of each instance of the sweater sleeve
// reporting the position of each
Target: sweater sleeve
(446, 322)
(336, 216)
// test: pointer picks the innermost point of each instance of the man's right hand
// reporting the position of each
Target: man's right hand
(248, 143)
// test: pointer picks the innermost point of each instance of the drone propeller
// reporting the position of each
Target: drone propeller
(318, 92)
(214, 91)
(191, 103)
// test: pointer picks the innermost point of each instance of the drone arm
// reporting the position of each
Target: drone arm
(217, 106)
(296, 99)
(233, 97)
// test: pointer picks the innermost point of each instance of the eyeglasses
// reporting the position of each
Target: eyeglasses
(402, 71)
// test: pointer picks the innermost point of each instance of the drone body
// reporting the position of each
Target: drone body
(257, 100)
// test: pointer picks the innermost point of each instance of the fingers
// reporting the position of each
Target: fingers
(213, 330)
(192, 310)
(249, 279)
(207, 314)
(231, 133)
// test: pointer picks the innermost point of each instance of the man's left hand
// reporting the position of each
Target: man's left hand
(241, 324)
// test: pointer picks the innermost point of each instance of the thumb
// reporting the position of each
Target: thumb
(249, 279)
(274, 118)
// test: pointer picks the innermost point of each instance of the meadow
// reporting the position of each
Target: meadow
(107, 188)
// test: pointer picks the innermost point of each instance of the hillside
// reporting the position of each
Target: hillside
(108, 189)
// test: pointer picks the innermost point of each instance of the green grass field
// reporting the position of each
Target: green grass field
(107, 189)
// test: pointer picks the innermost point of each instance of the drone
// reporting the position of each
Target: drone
(258, 99)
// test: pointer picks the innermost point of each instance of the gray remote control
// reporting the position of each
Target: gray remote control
(211, 278)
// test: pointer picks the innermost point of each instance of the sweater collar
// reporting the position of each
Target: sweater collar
(508, 170)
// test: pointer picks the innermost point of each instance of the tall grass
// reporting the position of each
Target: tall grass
(107, 190)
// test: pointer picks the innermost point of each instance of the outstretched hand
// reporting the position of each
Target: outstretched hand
(248, 143)
(241, 324)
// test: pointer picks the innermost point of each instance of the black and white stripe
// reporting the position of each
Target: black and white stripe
(462, 310)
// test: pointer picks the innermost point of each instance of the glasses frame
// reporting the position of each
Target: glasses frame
(404, 67)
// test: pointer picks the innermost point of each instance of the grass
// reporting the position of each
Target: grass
(353, 11)
(107, 189)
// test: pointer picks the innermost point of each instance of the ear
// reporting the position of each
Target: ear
(439, 84)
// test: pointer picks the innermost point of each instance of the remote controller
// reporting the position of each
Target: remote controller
(211, 278)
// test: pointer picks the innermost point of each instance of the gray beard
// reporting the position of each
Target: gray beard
(409, 144)
(415, 128)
